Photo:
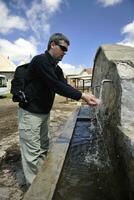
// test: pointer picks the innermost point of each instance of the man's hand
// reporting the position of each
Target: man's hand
(90, 99)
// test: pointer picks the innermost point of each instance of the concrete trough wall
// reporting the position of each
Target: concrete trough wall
(116, 63)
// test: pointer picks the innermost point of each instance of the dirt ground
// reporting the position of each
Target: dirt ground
(12, 182)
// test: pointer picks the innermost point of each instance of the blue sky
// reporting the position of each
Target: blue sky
(25, 27)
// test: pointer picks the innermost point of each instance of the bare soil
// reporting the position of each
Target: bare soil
(12, 181)
(8, 117)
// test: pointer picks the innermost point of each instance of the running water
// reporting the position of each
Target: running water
(97, 130)
(89, 172)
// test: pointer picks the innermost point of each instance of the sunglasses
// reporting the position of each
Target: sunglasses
(63, 48)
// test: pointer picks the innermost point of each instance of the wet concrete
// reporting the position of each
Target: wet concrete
(91, 169)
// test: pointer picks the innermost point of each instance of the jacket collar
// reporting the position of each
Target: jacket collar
(51, 59)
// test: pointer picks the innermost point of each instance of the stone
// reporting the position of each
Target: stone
(4, 193)
(116, 63)
(2, 155)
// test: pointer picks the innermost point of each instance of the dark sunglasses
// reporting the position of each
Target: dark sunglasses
(63, 48)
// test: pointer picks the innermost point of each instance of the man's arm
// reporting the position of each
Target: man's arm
(60, 74)
(52, 81)
(88, 98)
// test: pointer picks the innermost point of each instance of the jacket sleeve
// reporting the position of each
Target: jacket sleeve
(60, 74)
(55, 83)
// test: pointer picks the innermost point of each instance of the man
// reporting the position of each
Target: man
(45, 78)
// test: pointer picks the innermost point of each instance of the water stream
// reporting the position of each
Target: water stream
(88, 172)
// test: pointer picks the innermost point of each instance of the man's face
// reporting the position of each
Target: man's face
(59, 50)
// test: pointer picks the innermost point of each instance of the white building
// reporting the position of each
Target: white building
(81, 80)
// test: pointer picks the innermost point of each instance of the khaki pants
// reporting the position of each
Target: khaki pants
(34, 141)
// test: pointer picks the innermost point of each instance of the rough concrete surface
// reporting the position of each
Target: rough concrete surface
(116, 63)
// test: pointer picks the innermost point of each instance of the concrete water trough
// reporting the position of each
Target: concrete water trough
(80, 165)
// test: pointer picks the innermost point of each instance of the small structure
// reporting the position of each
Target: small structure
(81, 81)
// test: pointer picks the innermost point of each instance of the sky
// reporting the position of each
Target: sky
(26, 25)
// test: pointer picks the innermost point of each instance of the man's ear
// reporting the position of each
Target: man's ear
(53, 44)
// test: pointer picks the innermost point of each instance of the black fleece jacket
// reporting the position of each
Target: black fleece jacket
(45, 78)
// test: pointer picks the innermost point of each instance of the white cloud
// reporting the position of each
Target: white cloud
(36, 16)
(52, 5)
(10, 22)
(39, 14)
(38, 20)
(19, 50)
(128, 31)
(70, 69)
(107, 3)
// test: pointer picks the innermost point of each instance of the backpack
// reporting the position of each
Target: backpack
(18, 84)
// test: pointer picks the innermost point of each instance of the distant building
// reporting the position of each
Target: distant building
(7, 68)
(81, 80)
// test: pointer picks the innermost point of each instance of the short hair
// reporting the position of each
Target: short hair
(56, 37)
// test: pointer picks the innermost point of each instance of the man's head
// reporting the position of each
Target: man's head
(58, 46)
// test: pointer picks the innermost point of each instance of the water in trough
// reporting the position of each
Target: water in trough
(89, 171)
